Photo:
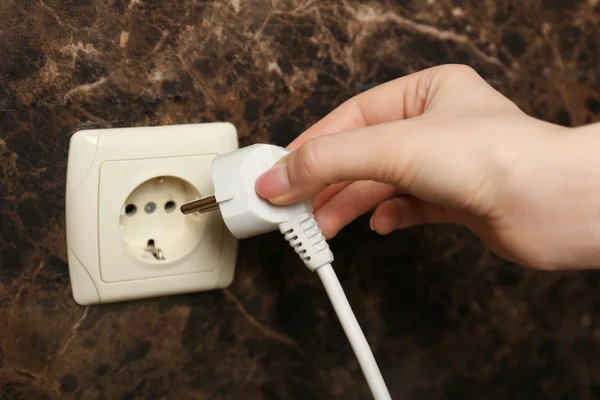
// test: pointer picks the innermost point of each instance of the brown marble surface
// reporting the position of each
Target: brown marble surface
(446, 318)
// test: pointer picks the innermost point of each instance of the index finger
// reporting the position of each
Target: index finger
(398, 99)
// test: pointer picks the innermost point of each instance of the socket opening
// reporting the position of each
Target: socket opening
(170, 206)
(150, 207)
(157, 234)
(130, 209)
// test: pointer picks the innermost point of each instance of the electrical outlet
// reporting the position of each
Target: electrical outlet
(126, 237)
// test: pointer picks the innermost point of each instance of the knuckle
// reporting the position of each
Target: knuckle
(308, 157)
(464, 70)
(460, 72)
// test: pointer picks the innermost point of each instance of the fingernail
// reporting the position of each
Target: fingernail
(282, 160)
(383, 226)
(274, 183)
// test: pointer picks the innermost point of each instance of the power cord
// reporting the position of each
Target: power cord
(246, 214)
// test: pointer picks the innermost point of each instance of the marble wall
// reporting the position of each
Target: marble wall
(446, 318)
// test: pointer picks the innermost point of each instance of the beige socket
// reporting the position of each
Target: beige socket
(126, 237)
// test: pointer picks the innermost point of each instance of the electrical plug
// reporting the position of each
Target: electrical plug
(246, 214)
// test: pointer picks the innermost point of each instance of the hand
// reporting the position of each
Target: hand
(442, 146)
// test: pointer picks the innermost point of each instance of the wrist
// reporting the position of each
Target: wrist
(546, 210)
(576, 156)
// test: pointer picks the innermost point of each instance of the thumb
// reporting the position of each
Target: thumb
(372, 153)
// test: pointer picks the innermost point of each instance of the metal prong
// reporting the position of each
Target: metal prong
(157, 253)
(203, 205)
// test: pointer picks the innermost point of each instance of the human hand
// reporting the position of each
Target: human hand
(442, 146)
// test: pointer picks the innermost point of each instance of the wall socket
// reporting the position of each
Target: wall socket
(126, 237)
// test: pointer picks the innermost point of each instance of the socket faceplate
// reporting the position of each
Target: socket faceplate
(110, 168)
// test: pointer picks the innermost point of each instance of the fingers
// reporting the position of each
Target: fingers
(372, 153)
(353, 201)
(367, 153)
(398, 99)
(403, 98)
(323, 197)
(404, 212)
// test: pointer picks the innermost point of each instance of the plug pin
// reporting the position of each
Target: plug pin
(203, 205)
(155, 251)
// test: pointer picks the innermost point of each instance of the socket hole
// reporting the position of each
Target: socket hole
(152, 233)
(169, 206)
(130, 209)
(150, 208)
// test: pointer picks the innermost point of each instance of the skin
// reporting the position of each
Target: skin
(442, 146)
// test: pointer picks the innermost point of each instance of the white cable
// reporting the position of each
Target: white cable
(305, 237)
(247, 215)
(353, 332)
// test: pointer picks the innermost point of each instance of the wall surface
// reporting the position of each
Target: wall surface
(445, 317)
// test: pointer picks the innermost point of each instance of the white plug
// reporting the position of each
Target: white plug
(246, 214)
